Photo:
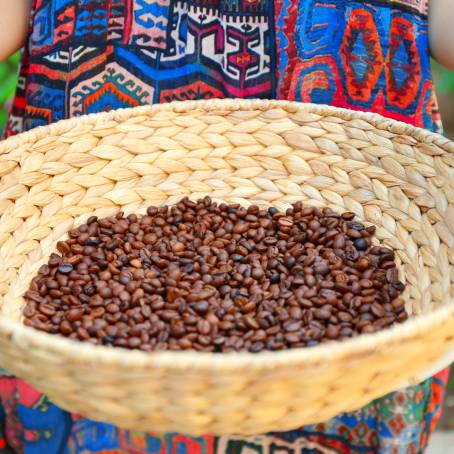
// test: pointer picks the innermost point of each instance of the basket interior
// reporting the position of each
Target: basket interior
(395, 177)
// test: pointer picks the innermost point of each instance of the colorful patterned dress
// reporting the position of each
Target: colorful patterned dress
(90, 55)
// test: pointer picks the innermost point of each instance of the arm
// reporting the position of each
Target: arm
(13, 25)
(441, 31)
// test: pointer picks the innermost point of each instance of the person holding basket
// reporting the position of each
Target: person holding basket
(89, 56)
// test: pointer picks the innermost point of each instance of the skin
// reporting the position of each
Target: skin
(15, 15)
(441, 31)
(14, 18)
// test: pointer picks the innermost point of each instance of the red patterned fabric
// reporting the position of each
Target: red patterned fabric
(92, 55)
(362, 55)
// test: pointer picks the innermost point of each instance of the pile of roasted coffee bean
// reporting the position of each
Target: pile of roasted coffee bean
(217, 278)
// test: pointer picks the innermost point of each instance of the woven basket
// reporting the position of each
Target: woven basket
(266, 152)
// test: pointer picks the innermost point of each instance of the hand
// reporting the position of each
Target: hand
(14, 19)
(441, 31)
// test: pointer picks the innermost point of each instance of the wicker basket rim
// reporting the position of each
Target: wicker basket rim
(85, 353)
(376, 120)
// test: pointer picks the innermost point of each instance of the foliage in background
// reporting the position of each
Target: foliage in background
(8, 80)
(444, 79)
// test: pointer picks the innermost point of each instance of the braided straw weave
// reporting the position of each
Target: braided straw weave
(267, 152)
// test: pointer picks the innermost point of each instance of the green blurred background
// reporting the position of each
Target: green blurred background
(8, 79)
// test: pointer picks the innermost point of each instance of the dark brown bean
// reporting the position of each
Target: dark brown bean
(398, 304)
(65, 268)
(344, 317)
(201, 308)
(204, 327)
(47, 310)
(361, 244)
(30, 309)
(74, 315)
(65, 327)
(63, 247)
(292, 326)
(97, 312)
(82, 333)
(332, 332)
(322, 314)
(226, 325)
(112, 308)
(378, 310)
(220, 278)
(292, 337)
(339, 241)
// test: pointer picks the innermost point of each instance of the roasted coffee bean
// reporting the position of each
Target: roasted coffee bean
(251, 322)
(63, 247)
(65, 328)
(322, 269)
(339, 241)
(29, 310)
(219, 278)
(332, 332)
(292, 326)
(65, 268)
(360, 244)
(256, 347)
(378, 310)
(201, 308)
(322, 314)
(47, 310)
(74, 315)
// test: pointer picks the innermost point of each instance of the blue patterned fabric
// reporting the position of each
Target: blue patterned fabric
(91, 55)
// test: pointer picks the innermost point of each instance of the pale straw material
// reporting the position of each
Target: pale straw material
(266, 152)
